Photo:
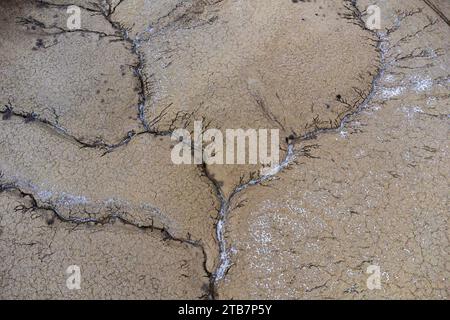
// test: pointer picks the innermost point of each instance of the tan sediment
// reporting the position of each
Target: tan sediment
(55, 145)
(374, 192)
(116, 261)
(138, 183)
(265, 64)
(442, 9)
(82, 82)
(141, 227)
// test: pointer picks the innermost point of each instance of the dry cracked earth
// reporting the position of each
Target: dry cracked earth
(86, 176)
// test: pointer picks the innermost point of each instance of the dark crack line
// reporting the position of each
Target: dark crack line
(30, 117)
(55, 30)
(382, 42)
(224, 255)
(224, 264)
(110, 219)
(106, 11)
(59, 5)
(224, 204)
(8, 112)
(438, 11)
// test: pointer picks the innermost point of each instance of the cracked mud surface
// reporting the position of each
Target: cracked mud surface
(86, 175)
(375, 192)
(134, 263)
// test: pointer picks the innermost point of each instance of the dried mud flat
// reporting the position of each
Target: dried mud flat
(85, 143)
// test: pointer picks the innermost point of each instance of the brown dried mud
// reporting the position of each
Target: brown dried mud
(254, 65)
(116, 261)
(374, 192)
(87, 179)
